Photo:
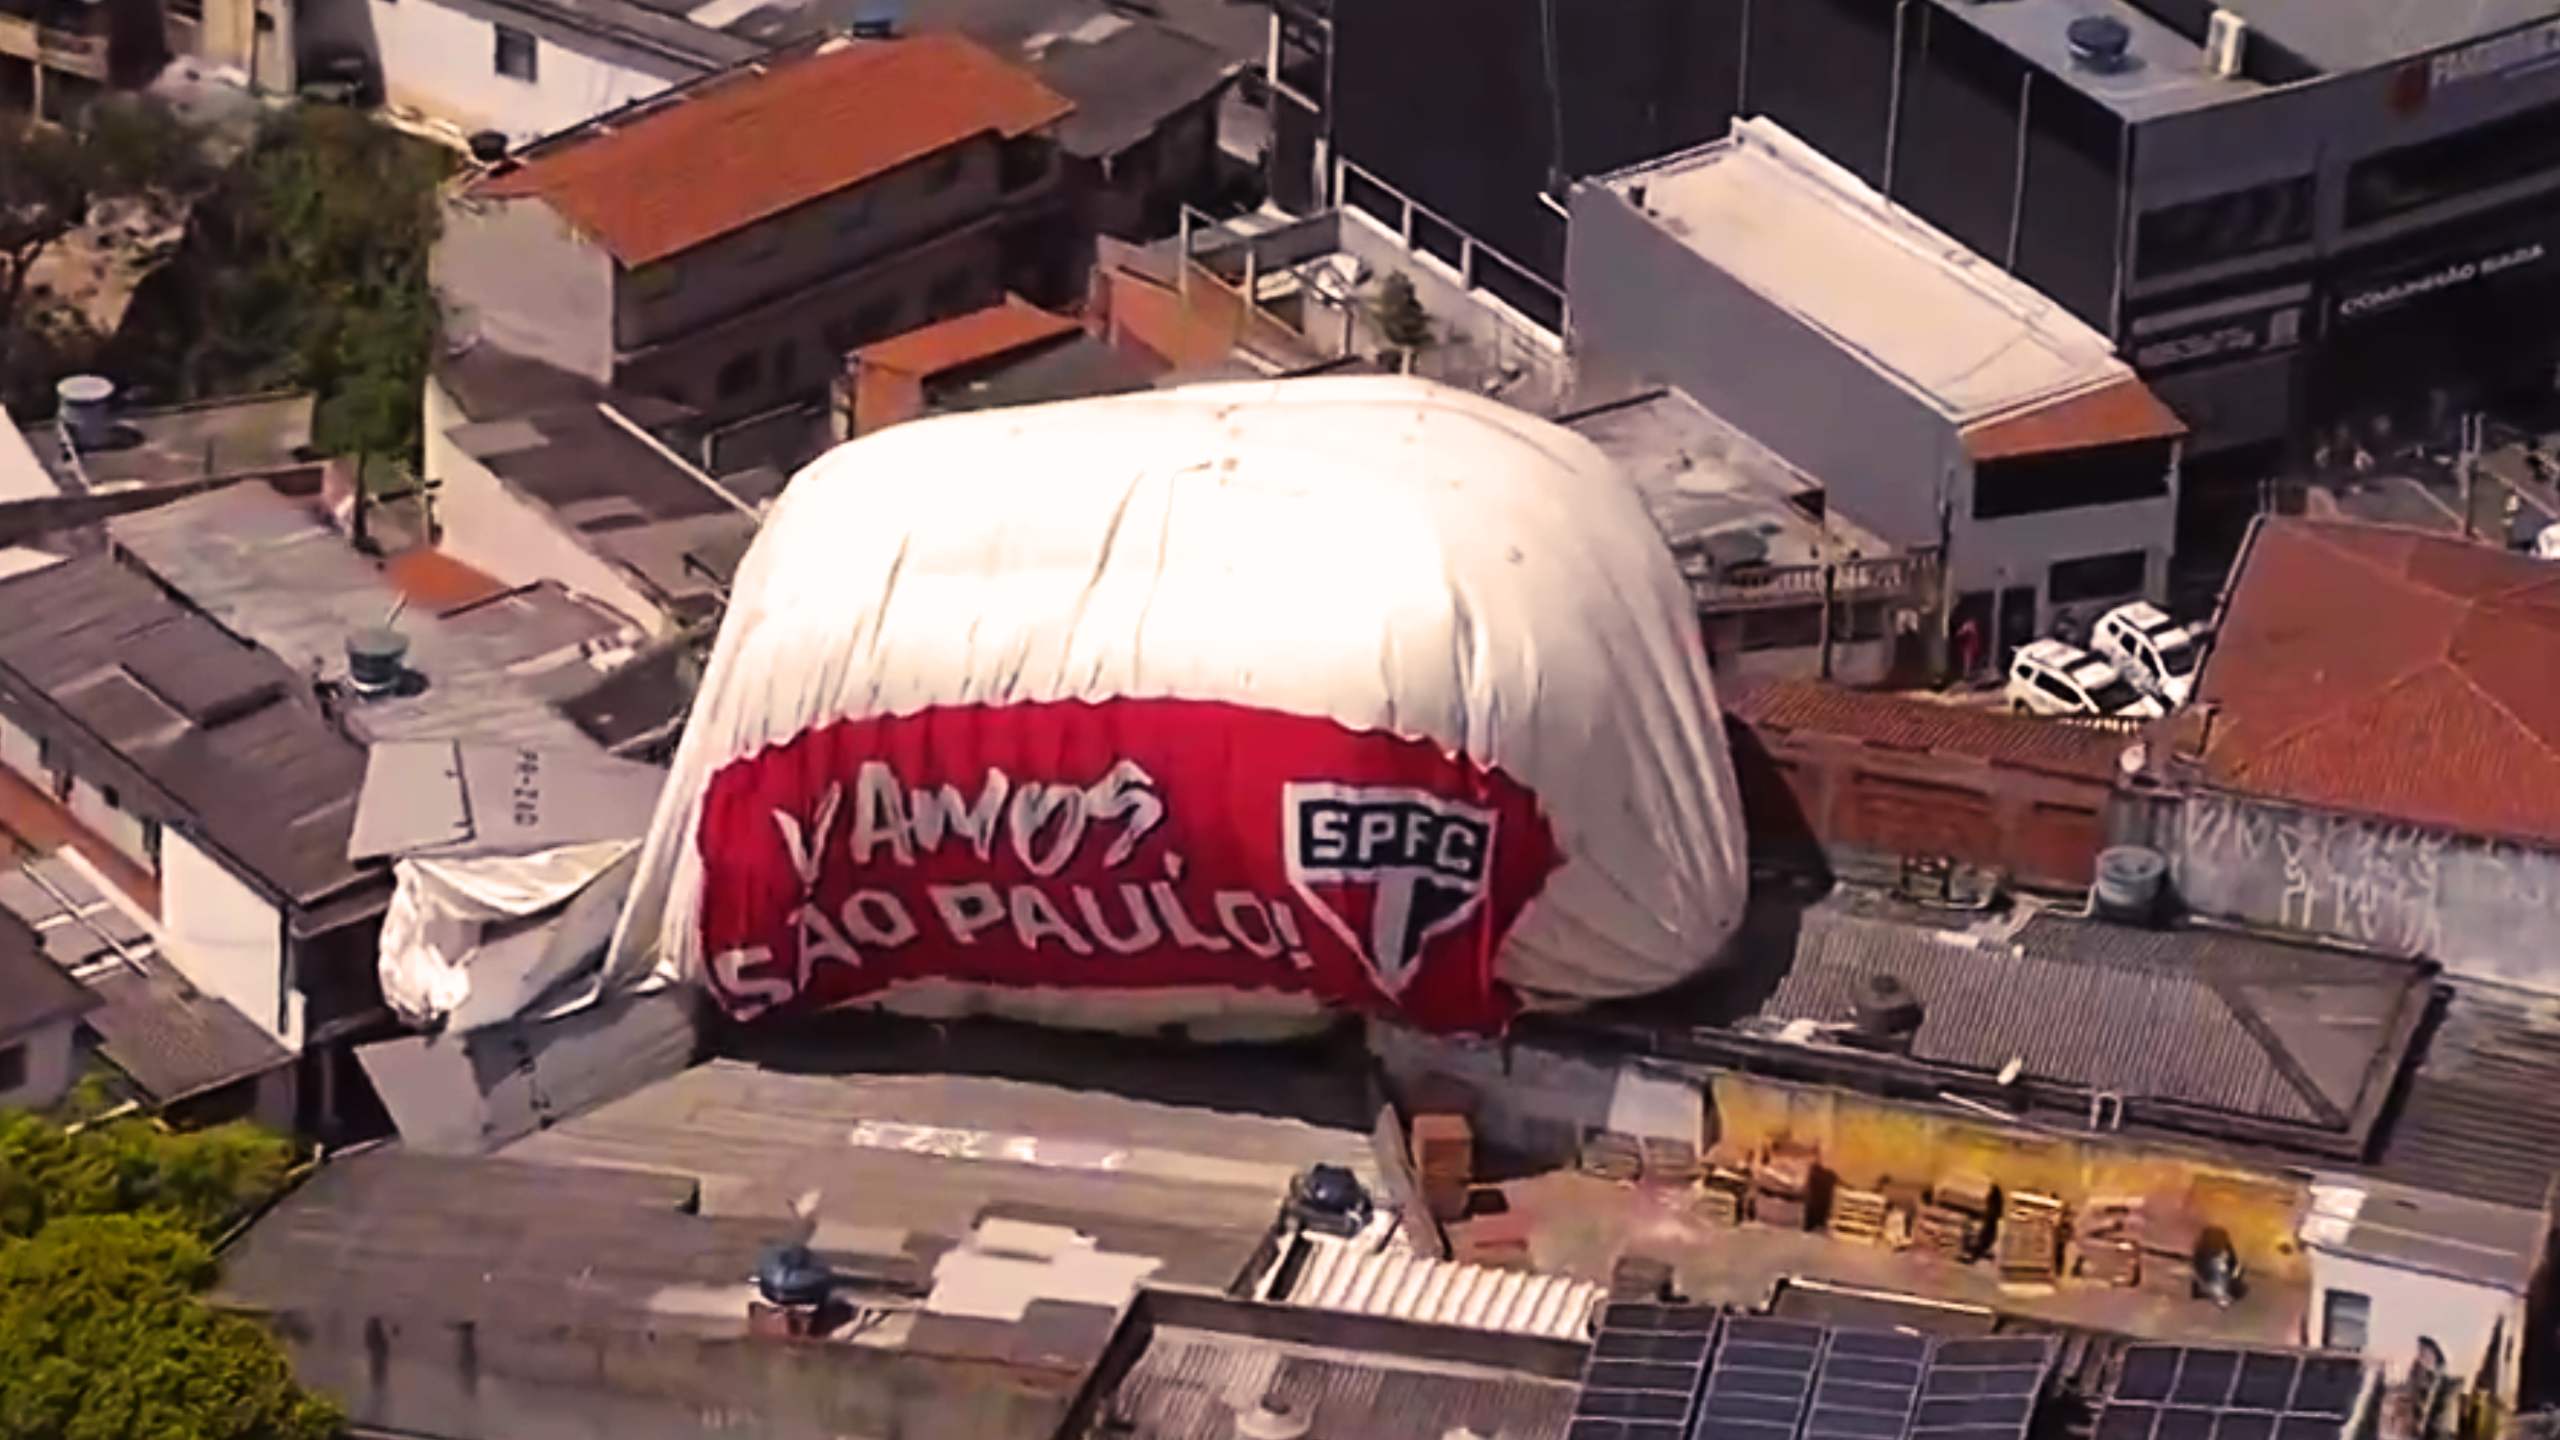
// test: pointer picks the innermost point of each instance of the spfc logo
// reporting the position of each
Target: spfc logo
(1387, 867)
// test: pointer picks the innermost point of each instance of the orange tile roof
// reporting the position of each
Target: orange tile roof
(1892, 722)
(437, 582)
(774, 134)
(2391, 673)
(2110, 415)
(998, 330)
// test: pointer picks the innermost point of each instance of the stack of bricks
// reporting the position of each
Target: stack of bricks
(2030, 1242)
(1782, 1187)
(1725, 1197)
(1669, 1164)
(2106, 1244)
(1499, 1239)
(1611, 1155)
(1444, 1159)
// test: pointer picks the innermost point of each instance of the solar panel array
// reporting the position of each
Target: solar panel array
(1768, 1379)
(1646, 1367)
(2181, 1392)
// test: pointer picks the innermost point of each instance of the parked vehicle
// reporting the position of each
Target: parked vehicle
(2157, 654)
(2048, 677)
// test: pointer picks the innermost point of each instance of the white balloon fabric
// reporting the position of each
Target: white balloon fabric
(1222, 703)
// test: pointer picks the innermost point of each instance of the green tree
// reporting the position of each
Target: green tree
(53, 179)
(103, 1254)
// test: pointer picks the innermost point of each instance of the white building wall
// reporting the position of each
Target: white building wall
(109, 822)
(226, 939)
(52, 1064)
(512, 273)
(442, 64)
(2462, 1317)
(22, 756)
(489, 527)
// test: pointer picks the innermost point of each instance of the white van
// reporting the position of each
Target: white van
(2157, 654)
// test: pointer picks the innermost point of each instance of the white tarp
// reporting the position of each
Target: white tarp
(442, 908)
(1338, 691)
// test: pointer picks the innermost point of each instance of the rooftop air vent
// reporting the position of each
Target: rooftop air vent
(2099, 42)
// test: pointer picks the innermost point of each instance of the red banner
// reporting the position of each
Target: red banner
(1129, 844)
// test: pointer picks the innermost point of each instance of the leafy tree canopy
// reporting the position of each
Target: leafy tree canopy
(103, 1250)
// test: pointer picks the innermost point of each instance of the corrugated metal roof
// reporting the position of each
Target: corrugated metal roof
(1866, 717)
(1951, 328)
(1348, 1275)
(2202, 1019)
(1192, 1384)
(2342, 642)
(2477, 1117)
(271, 570)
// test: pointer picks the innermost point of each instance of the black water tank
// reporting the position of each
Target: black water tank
(488, 146)
(2099, 42)
(790, 1275)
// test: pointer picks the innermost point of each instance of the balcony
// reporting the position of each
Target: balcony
(71, 39)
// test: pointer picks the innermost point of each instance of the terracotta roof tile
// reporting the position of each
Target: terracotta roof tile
(989, 334)
(2116, 414)
(772, 135)
(1886, 720)
(437, 582)
(2391, 673)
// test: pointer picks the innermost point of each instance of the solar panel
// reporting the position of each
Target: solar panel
(1981, 1389)
(1646, 1366)
(2180, 1392)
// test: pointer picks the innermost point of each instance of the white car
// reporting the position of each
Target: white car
(2156, 653)
(2048, 677)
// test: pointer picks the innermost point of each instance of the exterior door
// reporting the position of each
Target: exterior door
(2017, 620)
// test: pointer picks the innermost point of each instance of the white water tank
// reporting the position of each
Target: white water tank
(85, 405)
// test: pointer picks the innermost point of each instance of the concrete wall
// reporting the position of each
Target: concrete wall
(808, 324)
(438, 61)
(110, 821)
(1865, 1141)
(2479, 1327)
(513, 274)
(2484, 909)
(1646, 309)
(791, 252)
(227, 939)
(53, 1063)
(491, 528)
(2023, 549)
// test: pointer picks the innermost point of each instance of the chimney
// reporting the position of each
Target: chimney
(85, 404)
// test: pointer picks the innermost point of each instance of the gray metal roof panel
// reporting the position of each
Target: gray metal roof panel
(2477, 1117)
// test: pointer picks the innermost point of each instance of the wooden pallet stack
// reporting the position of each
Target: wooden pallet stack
(2106, 1242)
(1857, 1216)
(2030, 1239)
(1903, 1202)
(1782, 1186)
(1611, 1155)
(1669, 1164)
(1724, 1194)
(1953, 1223)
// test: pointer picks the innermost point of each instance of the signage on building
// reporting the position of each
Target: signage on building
(2361, 300)
(2497, 56)
(2266, 331)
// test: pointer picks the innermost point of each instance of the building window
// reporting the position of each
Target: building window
(114, 800)
(2229, 226)
(654, 282)
(2070, 479)
(2345, 1319)
(740, 377)
(1023, 163)
(13, 1068)
(875, 321)
(2097, 577)
(786, 364)
(853, 214)
(2483, 157)
(950, 293)
(519, 56)
(151, 844)
(943, 173)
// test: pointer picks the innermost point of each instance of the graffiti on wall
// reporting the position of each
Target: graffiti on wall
(2472, 904)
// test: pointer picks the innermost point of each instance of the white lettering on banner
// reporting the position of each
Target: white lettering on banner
(2495, 56)
(1044, 826)
(2445, 279)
